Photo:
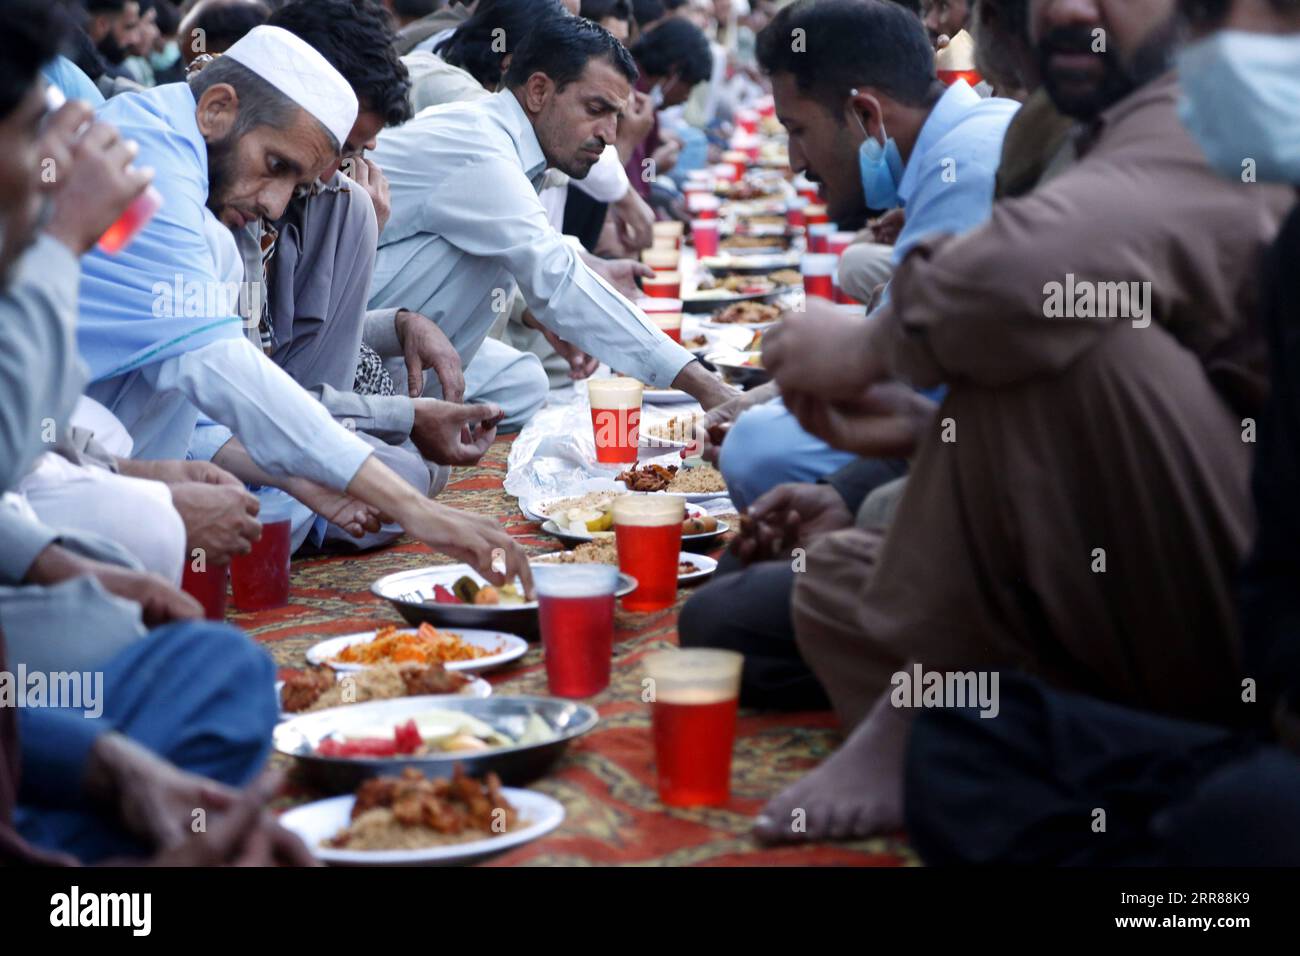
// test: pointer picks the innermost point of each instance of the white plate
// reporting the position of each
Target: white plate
(703, 564)
(512, 648)
(532, 507)
(538, 816)
(666, 396)
(477, 687)
(574, 538)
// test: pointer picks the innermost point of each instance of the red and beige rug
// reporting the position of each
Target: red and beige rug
(606, 780)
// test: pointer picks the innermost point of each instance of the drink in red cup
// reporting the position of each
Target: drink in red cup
(665, 313)
(747, 120)
(738, 162)
(814, 213)
(648, 533)
(661, 260)
(819, 274)
(694, 694)
(838, 242)
(260, 579)
(615, 417)
(703, 205)
(819, 235)
(663, 285)
(794, 213)
(949, 77)
(842, 297)
(575, 610)
(669, 230)
(136, 216)
(208, 587)
(704, 232)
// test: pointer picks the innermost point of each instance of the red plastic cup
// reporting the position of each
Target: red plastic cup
(615, 418)
(949, 77)
(703, 205)
(794, 213)
(815, 212)
(666, 314)
(575, 608)
(747, 120)
(648, 534)
(838, 242)
(693, 714)
(208, 587)
(819, 274)
(663, 285)
(661, 260)
(819, 236)
(136, 216)
(705, 234)
(668, 230)
(260, 579)
(843, 298)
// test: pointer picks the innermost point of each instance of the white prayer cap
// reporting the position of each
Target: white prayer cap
(296, 69)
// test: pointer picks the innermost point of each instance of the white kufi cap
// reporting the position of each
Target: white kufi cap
(296, 69)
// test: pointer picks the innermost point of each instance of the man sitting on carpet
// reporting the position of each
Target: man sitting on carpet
(1079, 504)
(869, 119)
(467, 222)
(1175, 792)
(168, 725)
(163, 341)
(315, 263)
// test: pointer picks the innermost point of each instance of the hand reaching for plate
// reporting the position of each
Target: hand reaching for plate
(789, 516)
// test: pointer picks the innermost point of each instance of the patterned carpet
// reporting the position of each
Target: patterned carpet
(606, 779)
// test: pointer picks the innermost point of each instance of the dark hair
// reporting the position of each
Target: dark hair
(475, 47)
(224, 23)
(648, 11)
(169, 18)
(850, 43)
(260, 103)
(414, 8)
(675, 46)
(29, 38)
(562, 48)
(105, 6)
(356, 39)
(598, 10)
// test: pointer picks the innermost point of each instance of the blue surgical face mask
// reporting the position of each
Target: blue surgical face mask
(881, 167)
(1241, 103)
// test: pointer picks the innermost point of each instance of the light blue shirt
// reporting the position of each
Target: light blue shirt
(947, 184)
(467, 224)
(159, 330)
(72, 81)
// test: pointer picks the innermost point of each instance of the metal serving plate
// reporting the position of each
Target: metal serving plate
(411, 594)
(516, 766)
(733, 369)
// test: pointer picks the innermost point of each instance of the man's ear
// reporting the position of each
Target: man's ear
(537, 90)
(218, 108)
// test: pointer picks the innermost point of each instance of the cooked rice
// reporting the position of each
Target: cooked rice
(377, 682)
(592, 500)
(378, 829)
(703, 479)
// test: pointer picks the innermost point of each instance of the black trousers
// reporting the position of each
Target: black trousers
(1032, 784)
(584, 218)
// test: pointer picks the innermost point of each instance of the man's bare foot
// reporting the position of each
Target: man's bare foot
(856, 793)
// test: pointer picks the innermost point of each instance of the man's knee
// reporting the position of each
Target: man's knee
(754, 453)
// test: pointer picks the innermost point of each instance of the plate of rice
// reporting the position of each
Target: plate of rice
(462, 650)
(412, 821)
(320, 688)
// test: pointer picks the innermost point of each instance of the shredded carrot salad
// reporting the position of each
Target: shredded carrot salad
(427, 646)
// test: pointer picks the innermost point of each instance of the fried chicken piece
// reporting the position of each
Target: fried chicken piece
(432, 679)
(648, 477)
(302, 688)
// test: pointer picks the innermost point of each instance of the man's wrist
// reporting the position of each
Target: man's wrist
(56, 564)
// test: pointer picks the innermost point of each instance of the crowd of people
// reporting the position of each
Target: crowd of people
(1056, 447)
